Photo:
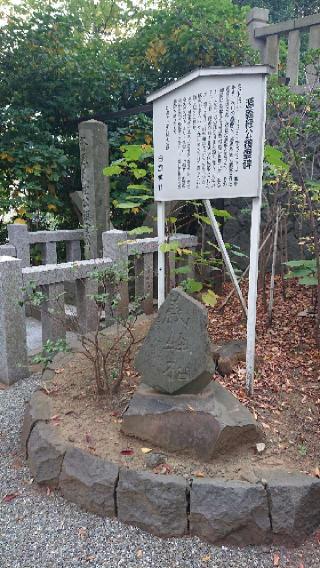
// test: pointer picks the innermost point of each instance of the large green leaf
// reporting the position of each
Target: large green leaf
(274, 157)
(141, 230)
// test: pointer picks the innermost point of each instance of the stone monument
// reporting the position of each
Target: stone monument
(175, 356)
(177, 405)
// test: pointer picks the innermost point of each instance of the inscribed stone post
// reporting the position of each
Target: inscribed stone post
(94, 156)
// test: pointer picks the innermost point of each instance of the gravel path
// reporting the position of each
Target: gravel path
(44, 531)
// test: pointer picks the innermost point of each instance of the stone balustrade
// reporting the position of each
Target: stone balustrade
(266, 37)
(16, 278)
(119, 246)
(21, 240)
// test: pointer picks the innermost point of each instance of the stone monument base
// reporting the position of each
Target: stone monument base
(204, 424)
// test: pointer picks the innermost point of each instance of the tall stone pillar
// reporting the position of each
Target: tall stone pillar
(94, 156)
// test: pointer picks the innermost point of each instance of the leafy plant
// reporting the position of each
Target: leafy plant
(132, 188)
(304, 270)
(49, 350)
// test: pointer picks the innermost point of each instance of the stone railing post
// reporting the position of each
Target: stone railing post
(73, 251)
(314, 43)
(49, 252)
(87, 311)
(94, 156)
(148, 283)
(13, 342)
(293, 57)
(19, 238)
(53, 312)
(257, 18)
(118, 252)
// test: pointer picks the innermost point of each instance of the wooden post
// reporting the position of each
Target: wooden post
(161, 219)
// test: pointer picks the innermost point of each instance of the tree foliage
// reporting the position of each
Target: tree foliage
(76, 59)
(284, 10)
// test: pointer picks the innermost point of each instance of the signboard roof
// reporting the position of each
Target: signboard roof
(209, 72)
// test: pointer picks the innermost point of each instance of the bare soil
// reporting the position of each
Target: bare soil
(286, 401)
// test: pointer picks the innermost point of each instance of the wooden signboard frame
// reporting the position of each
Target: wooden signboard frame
(209, 129)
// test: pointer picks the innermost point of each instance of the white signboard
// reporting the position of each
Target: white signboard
(209, 134)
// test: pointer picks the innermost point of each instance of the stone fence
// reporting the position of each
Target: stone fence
(265, 37)
(51, 279)
(20, 241)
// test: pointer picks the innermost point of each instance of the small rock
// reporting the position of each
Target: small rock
(152, 460)
(228, 355)
(260, 448)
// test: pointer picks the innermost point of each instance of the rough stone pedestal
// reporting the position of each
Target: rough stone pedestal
(203, 424)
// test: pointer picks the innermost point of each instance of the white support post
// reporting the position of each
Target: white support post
(161, 220)
(224, 252)
(252, 295)
(274, 260)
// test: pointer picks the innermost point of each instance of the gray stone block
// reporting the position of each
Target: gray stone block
(13, 342)
(89, 481)
(175, 356)
(64, 272)
(18, 236)
(39, 408)
(56, 236)
(294, 504)
(155, 503)
(204, 424)
(229, 512)
(8, 250)
(45, 454)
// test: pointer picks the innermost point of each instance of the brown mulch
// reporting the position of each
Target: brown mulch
(286, 400)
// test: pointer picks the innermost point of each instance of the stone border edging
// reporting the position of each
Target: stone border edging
(280, 508)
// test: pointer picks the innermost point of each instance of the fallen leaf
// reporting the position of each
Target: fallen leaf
(48, 491)
(206, 558)
(317, 472)
(146, 450)
(82, 532)
(10, 496)
(59, 371)
(127, 452)
(276, 559)
(162, 469)
(198, 474)
(139, 553)
(89, 438)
